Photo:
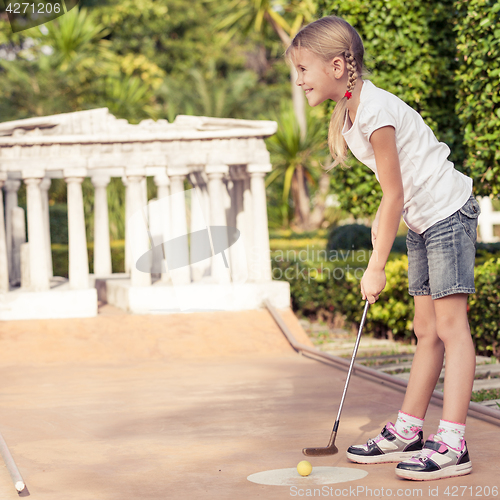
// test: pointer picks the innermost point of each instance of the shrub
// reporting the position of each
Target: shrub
(58, 214)
(410, 51)
(484, 309)
(486, 251)
(315, 294)
(350, 236)
(395, 309)
(478, 78)
(322, 295)
(399, 245)
(60, 258)
(319, 294)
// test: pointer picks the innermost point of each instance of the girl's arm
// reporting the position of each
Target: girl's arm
(383, 141)
(375, 223)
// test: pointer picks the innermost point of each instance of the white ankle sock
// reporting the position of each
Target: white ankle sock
(408, 425)
(451, 433)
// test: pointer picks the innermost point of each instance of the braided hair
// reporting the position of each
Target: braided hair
(352, 72)
(330, 37)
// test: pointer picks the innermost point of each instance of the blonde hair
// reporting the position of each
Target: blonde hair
(327, 38)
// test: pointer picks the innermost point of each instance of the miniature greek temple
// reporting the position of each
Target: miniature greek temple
(223, 160)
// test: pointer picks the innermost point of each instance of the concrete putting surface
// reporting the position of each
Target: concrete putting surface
(188, 406)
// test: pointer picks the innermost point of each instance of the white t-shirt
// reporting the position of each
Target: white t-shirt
(433, 188)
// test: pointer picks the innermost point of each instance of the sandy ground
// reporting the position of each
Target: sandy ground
(186, 406)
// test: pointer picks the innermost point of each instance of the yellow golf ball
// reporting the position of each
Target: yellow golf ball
(304, 468)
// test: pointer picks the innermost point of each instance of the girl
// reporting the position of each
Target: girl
(436, 202)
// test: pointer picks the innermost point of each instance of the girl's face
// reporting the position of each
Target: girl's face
(319, 80)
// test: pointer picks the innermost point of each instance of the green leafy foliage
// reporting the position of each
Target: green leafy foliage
(410, 51)
(478, 43)
(58, 214)
(60, 258)
(357, 189)
(322, 289)
(291, 151)
(350, 236)
(485, 394)
(395, 309)
(484, 307)
(147, 60)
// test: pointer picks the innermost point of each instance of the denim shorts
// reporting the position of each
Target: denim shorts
(441, 259)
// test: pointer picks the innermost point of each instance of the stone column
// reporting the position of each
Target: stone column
(179, 220)
(163, 185)
(11, 188)
(4, 260)
(137, 226)
(127, 217)
(247, 222)
(215, 173)
(102, 247)
(39, 277)
(261, 254)
(24, 260)
(227, 195)
(45, 186)
(199, 222)
(18, 240)
(238, 249)
(163, 195)
(78, 256)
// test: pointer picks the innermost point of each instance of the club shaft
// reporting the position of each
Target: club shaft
(354, 352)
(11, 465)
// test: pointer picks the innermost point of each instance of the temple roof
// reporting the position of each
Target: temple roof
(100, 122)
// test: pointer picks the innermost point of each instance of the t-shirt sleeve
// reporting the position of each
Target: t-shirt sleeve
(374, 117)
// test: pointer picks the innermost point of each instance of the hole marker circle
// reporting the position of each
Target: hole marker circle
(318, 476)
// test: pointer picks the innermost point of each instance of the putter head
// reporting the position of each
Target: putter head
(320, 452)
(331, 449)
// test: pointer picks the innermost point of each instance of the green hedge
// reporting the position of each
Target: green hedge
(60, 258)
(484, 308)
(410, 51)
(441, 58)
(478, 35)
(58, 214)
(319, 294)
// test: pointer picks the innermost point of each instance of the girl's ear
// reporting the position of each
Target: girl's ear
(338, 67)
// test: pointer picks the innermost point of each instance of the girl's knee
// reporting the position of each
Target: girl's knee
(425, 328)
(453, 329)
(451, 317)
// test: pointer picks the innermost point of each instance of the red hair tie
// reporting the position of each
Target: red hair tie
(348, 95)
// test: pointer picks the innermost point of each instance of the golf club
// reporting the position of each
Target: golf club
(331, 449)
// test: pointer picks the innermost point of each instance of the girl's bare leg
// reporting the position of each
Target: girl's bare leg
(453, 329)
(428, 359)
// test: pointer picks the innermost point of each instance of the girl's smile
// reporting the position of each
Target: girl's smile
(314, 76)
(320, 80)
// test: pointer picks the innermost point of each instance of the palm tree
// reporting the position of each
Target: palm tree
(73, 36)
(127, 97)
(248, 15)
(297, 163)
(209, 93)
